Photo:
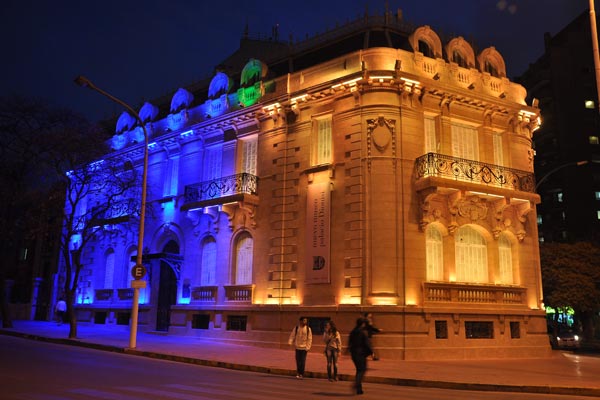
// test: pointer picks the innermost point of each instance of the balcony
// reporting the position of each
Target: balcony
(434, 292)
(239, 293)
(220, 191)
(204, 293)
(439, 166)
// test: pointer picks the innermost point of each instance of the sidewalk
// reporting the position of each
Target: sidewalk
(564, 373)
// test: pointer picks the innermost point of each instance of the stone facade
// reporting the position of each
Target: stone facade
(392, 181)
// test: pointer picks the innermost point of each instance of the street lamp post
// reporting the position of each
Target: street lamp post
(84, 82)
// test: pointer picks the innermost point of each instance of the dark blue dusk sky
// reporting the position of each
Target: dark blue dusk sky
(140, 50)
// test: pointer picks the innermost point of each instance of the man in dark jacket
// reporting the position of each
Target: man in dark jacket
(359, 346)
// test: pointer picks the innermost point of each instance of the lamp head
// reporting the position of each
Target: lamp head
(83, 82)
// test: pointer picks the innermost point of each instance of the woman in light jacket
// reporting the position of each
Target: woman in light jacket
(333, 346)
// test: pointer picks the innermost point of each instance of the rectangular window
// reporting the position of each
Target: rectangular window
(465, 143)
(317, 324)
(598, 214)
(100, 317)
(539, 220)
(201, 321)
(498, 154)
(171, 177)
(515, 330)
(237, 322)
(249, 151)
(479, 330)
(212, 163)
(430, 138)
(322, 138)
(594, 140)
(123, 318)
(597, 195)
(590, 104)
(559, 197)
(441, 329)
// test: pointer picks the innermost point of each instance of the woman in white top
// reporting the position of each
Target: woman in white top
(333, 346)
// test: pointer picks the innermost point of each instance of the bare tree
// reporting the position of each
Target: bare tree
(101, 198)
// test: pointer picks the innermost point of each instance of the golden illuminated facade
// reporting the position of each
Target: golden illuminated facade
(395, 179)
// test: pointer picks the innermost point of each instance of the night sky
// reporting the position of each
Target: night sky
(140, 50)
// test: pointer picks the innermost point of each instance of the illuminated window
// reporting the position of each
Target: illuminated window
(322, 151)
(539, 220)
(109, 271)
(563, 215)
(594, 140)
(430, 139)
(559, 197)
(244, 250)
(435, 254)
(597, 194)
(249, 148)
(208, 264)
(590, 104)
(598, 214)
(505, 265)
(212, 163)
(498, 153)
(171, 176)
(471, 256)
(465, 143)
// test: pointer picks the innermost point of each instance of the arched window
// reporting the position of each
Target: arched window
(458, 58)
(244, 249)
(435, 254)
(208, 266)
(471, 256)
(505, 265)
(109, 270)
(425, 48)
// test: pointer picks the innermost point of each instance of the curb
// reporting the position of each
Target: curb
(483, 387)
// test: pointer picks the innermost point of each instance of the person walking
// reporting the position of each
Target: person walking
(333, 346)
(301, 339)
(60, 309)
(359, 346)
(371, 330)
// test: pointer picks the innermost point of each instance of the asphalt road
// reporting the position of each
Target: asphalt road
(34, 370)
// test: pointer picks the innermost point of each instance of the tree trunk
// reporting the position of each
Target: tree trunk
(70, 295)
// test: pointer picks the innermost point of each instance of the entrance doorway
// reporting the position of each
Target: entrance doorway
(167, 290)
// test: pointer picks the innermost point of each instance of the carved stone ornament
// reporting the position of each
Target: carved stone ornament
(380, 137)
(473, 208)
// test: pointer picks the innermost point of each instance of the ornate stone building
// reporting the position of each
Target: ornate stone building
(376, 169)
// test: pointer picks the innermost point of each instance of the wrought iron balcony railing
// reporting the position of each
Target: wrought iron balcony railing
(243, 183)
(460, 169)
